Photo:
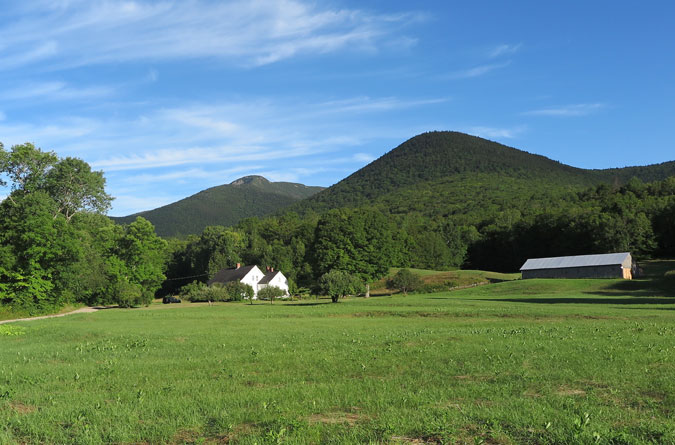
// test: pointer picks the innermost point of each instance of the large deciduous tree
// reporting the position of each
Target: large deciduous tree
(74, 188)
(359, 241)
(338, 284)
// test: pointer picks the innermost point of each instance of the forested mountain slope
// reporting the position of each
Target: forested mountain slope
(223, 205)
(438, 171)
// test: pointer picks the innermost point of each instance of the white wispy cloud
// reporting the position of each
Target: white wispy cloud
(567, 110)
(53, 90)
(496, 132)
(241, 32)
(30, 53)
(243, 132)
(504, 50)
(191, 174)
(368, 104)
(197, 155)
(363, 157)
(477, 71)
(56, 131)
(133, 203)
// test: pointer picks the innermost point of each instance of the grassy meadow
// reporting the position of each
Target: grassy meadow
(534, 361)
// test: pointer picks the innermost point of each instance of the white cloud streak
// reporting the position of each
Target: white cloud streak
(477, 71)
(495, 132)
(51, 91)
(575, 110)
(248, 33)
(504, 50)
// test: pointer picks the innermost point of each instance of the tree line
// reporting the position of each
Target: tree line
(365, 242)
(57, 246)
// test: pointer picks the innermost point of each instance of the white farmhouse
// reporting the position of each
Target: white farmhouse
(252, 276)
(274, 278)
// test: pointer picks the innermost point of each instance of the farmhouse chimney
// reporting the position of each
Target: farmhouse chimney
(238, 265)
(271, 269)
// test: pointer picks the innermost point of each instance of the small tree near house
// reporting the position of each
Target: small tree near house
(405, 281)
(270, 292)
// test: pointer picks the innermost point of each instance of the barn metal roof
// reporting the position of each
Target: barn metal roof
(606, 259)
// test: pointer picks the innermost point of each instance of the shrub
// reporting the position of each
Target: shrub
(215, 292)
(129, 294)
(232, 291)
(192, 291)
(238, 291)
(405, 281)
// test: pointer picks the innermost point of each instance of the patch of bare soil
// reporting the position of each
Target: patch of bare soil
(350, 418)
(195, 437)
(22, 408)
(531, 393)
(564, 391)
(413, 440)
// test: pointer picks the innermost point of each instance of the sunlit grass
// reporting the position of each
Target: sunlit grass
(528, 361)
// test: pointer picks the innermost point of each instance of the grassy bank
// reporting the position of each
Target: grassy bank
(528, 361)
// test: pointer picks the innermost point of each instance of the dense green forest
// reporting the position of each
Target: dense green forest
(636, 217)
(430, 173)
(57, 246)
(223, 205)
(444, 200)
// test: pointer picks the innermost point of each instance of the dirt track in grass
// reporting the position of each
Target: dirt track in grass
(82, 310)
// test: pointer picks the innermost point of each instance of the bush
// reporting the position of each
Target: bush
(232, 291)
(215, 292)
(238, 291)
(405, 281)
(129, 294)
(192, 291)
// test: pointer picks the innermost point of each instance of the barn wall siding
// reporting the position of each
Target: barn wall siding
(611, 271)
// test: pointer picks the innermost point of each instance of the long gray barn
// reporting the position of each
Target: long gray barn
(609, 265)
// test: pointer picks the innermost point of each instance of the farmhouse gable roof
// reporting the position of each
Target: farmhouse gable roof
(269, 276)
(227, 275)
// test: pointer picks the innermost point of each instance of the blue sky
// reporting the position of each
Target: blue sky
(171, 97)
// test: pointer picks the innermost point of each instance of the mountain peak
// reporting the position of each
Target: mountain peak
(250, 180)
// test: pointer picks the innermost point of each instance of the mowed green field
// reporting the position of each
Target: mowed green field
(535, 361)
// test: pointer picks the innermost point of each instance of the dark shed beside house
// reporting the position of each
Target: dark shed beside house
(609, 265)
